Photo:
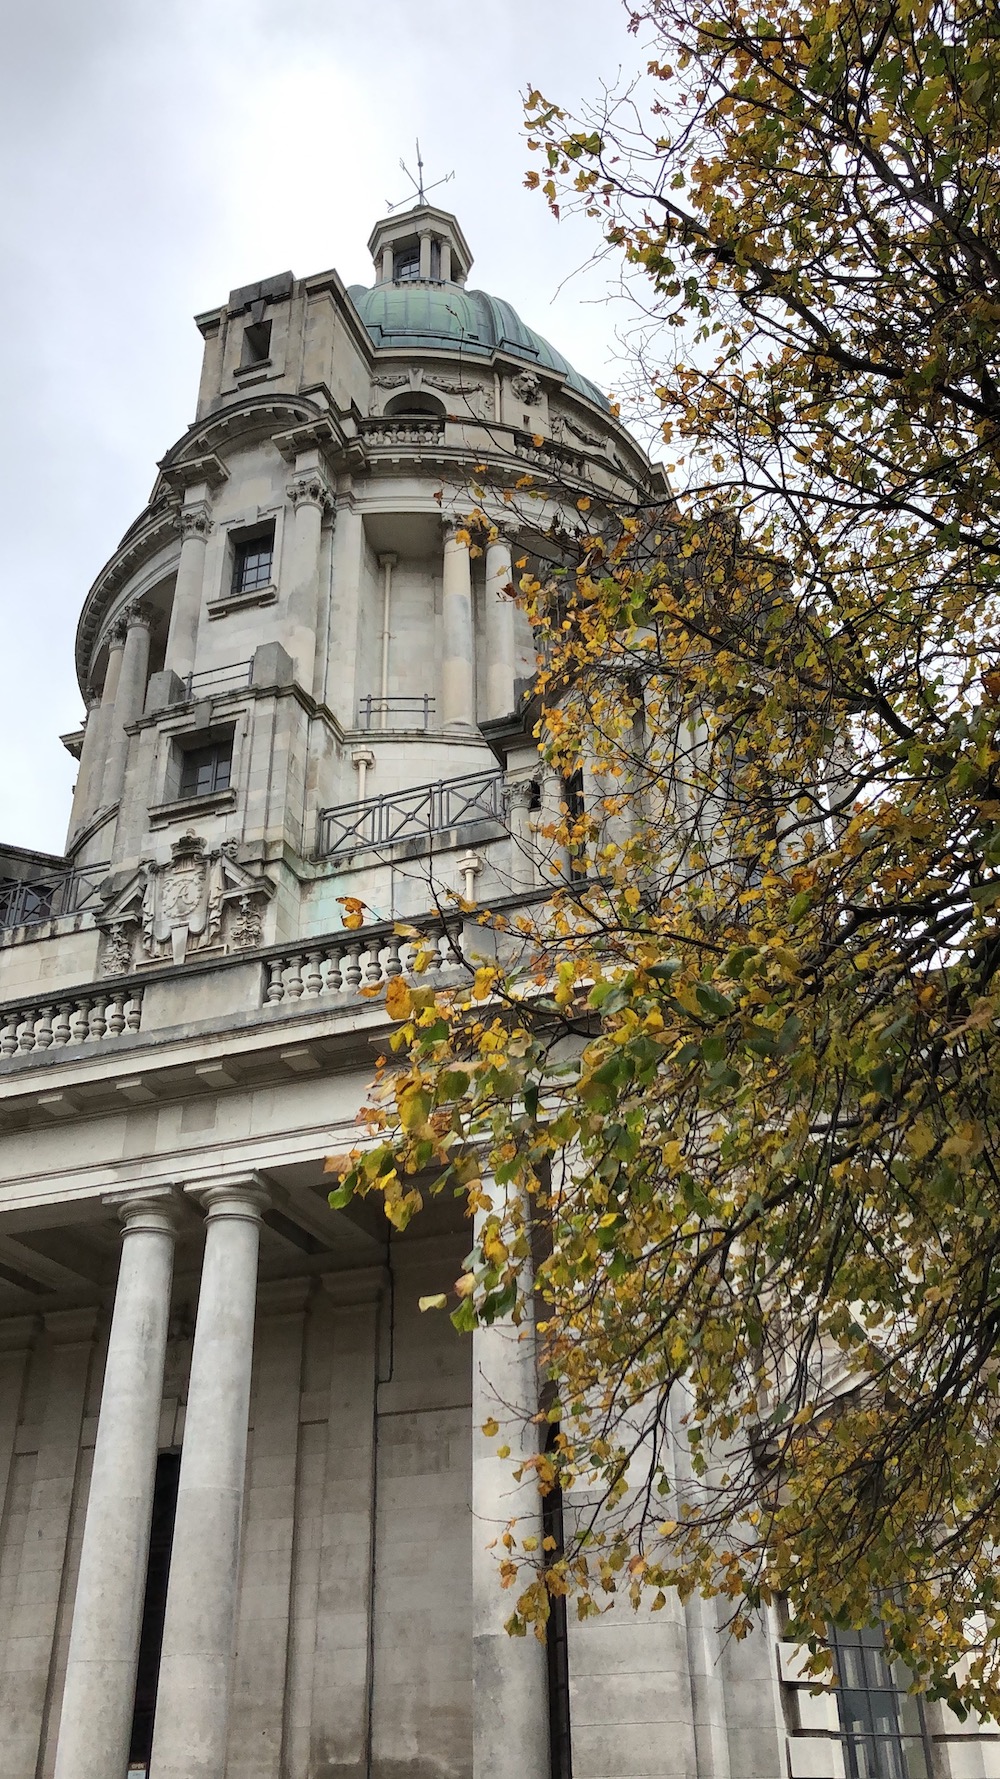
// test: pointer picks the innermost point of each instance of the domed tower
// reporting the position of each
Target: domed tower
(248, 1518)
(293, 652)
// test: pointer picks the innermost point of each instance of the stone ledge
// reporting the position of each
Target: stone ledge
(238, 602)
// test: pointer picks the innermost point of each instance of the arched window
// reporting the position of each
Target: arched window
(415, 401)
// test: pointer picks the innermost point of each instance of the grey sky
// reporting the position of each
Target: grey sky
(157, 153)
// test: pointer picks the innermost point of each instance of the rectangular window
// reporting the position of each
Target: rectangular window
(882, 1725)
(205, 770)
(253, 562)
(256, 344)
(406, 264)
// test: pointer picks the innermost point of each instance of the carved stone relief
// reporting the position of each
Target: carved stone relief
(200, 901)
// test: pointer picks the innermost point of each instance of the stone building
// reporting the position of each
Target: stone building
(245, 1507)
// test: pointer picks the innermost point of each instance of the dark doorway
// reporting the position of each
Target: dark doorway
(161, 1535)
(556, 1641)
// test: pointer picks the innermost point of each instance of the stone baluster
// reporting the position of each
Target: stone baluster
(195, 523)
(61, 1032)
(509, 1681)
(458, 673)
(107, 1613)
(275, 979)
(96, 1022)
(43, 1029)
(373, 966)
(499, 629)
(116, 1014)
(310, 496)
(293, 982)
(26, 1033)
(133, 1011)
(352, 967)
(79, 1021)
(192, 1707)
(8, 1034)
(393, 966)
(129, 699)
(312, 976)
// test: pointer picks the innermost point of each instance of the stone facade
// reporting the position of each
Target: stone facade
(300, 686)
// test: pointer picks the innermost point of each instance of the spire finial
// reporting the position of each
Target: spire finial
(418, 182)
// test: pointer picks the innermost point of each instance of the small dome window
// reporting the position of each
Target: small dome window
(406, 263)
(415, 401)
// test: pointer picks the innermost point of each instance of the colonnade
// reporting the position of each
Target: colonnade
(197, 1660)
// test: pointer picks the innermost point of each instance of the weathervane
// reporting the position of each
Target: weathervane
(418, 183)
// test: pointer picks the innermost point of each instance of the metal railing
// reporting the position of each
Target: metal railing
(27, 902)
(426, 809)
(396, 713)
(218, 679)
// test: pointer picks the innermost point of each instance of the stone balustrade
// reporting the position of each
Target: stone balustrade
(72, 1019)
(364, 959)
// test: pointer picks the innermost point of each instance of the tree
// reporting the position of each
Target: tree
(742, 1069)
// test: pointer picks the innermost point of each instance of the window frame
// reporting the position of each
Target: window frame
(405, 257)
(884, 1695)
(219, 751)
(242, 548)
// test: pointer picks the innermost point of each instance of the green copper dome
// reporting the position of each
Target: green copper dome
(450, 318)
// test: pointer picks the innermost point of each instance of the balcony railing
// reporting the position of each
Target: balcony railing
(426, 809)
(70, 1018)
(28, 902)
(396, 713)
(355, 961)
(402, 429)
(218, 679)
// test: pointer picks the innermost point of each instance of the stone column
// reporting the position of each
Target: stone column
(555, 855)
(340, 1712)
(348, 562)
(265, 1607)
(192, 1706)
(99, 1693)
(425, 254)
(523, 849)
(103, 718)
(310, 496)
(499, 630)
(509, 1676)
(31, 1626)
(17, 1335)
(182, 638)
(129, 699)
(89, 752)
(458, 673)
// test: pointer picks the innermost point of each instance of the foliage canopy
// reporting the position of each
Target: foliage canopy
(743, 1066)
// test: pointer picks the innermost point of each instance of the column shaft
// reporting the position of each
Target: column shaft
(192, 1707)
(509, 1685)
(189, 589)
(105, 717)
(128, 702)
(499, 638)
(458, 674)
(31, 1626)
(309, 495)
(82, 806)
(99, 1693)
(341, 669)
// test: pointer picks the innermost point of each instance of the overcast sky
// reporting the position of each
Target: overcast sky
(158, 153)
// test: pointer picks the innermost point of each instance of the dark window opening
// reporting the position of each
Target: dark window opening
(882, 1726)
(253, 562)
(406, 264)
(154, 1607)
(556, 1640)
(256, 344)
(415, 401)
(205, 770)
(576, 805)
(534, 796)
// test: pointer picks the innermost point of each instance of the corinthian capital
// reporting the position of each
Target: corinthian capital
(311, 489)
(195, 521)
